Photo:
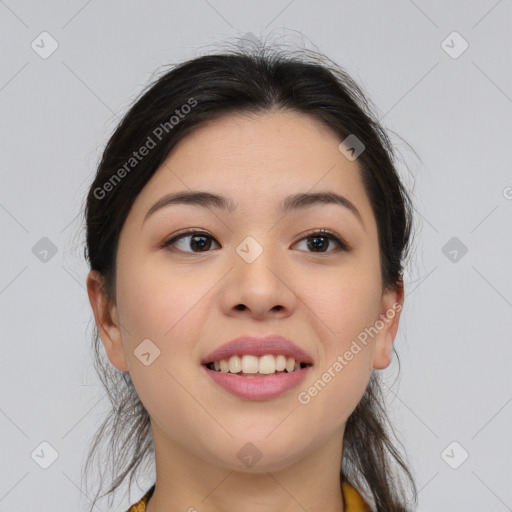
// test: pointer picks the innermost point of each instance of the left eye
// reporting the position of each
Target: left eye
(319, 242)
(202, 241)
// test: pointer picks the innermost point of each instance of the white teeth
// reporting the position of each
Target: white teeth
(250, 364)
(266, 365)
(235, 364)
(280, 363)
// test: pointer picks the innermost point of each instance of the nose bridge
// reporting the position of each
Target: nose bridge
(256, 282)
(253, 264)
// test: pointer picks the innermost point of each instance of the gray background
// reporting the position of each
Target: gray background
(454, 343)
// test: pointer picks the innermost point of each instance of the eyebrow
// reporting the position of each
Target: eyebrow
(293, 202)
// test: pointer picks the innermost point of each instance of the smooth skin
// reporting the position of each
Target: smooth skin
(185, 298)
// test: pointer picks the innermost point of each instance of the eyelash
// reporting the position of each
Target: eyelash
(321, 233)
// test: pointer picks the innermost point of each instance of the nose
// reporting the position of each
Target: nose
(260, 290)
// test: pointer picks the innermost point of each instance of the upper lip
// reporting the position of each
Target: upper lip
(258, 346)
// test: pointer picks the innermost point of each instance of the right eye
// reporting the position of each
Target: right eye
(196, 239)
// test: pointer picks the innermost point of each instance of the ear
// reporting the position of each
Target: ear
(391, 307)
(107, 320)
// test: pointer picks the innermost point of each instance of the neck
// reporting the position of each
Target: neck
(186, 482)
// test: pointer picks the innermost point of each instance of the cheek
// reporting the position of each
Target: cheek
(346, 305)
(333, 396)
(154, 302)
(168, 311)
(346, 358)
(168, 308)
(347, 300)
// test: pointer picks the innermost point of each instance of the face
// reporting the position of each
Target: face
(206, 288)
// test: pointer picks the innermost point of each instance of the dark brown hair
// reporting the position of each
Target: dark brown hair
(247, 80)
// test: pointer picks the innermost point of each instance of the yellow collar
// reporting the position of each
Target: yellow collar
(352, 499)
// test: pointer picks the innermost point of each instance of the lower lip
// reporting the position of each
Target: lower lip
(258, 388)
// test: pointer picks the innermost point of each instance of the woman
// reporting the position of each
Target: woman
(246, 231)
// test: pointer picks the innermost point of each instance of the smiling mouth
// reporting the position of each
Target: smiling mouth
(249, 365)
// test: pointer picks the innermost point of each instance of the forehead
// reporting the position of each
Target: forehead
(258, 157)
(262, 141)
